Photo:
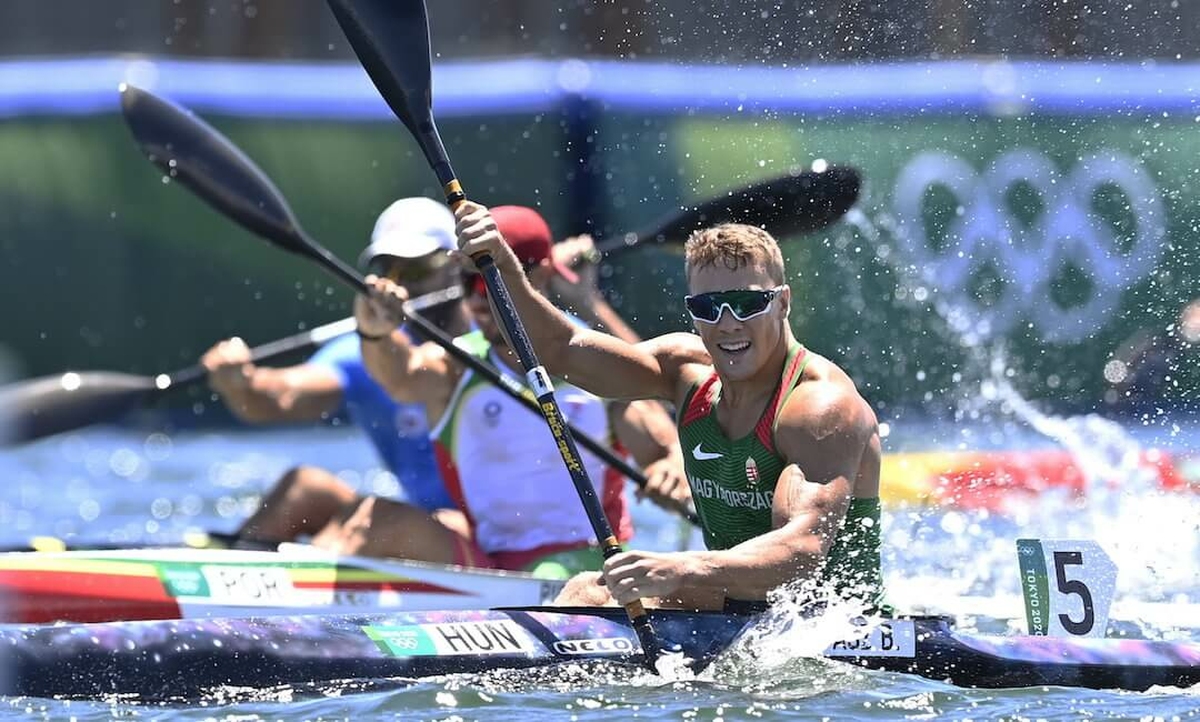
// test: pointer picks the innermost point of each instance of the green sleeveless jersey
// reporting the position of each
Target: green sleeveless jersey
(733, 483)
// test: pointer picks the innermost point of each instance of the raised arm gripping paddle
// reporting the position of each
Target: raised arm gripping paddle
(391, 40)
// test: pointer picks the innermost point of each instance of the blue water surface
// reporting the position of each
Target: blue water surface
(139, 486)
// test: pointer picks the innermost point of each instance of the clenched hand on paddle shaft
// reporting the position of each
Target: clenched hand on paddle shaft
(391, 39)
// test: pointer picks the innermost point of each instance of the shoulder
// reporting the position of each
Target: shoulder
(824, 408)
(677, 349)
(340, 350)
(683, 358)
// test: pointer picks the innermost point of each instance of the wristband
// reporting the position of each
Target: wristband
(369, 337)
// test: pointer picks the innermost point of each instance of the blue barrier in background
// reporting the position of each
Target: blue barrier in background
(342, 90)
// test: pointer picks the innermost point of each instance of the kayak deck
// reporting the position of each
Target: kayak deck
(189, 659)
(183, 583)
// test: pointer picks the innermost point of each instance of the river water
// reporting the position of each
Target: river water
(133, 486)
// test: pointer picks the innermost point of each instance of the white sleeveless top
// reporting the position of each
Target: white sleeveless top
(502, 466)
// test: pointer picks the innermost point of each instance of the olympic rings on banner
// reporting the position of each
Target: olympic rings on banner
(1031, 252)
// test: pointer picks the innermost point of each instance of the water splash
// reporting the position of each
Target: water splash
(1151, 534)
(783, 649)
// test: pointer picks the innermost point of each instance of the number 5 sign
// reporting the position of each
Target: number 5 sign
(1068, 587)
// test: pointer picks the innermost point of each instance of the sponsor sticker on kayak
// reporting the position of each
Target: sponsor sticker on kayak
(501, 636)
(891, 638)
(605, 645)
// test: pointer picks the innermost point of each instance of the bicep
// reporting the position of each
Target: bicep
(824, 443)
(810, 509)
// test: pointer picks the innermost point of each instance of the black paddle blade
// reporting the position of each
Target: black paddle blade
(212, 167)
(50, 405)
(391, 40)
(784, 206)
(191, 151)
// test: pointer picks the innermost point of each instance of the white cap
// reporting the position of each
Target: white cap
(411, 228)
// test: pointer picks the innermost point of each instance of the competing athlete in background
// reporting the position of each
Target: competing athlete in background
(500, 464)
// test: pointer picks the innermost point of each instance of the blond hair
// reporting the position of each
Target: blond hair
(734, 245)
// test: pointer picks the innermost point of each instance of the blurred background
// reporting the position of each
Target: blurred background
(1029, 216)
(1020, 272)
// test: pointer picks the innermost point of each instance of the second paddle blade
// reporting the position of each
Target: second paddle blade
(189, 150)
(788, 205)
(791, 204)
(50, 405)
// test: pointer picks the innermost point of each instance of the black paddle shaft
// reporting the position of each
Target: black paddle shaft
(391, 39)
(529, 400)
(49, 405)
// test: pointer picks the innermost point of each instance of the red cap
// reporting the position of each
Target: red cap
(527, 233)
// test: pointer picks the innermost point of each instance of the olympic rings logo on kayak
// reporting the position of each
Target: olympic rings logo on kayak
(1031, 251)
(409, 642)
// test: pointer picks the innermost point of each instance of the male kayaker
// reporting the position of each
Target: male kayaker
(408, 244)
(781, 451)
(500, 462)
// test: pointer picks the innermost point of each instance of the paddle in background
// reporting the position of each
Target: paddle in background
(49, 405)
(791, 204)
(788, 205)
(391, 39)
(210, 165)
(800, 202)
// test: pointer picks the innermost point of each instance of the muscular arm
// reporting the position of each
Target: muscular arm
(603, 364)
(645, 429)
(265, 395)
(648, 432)
(828, 437)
